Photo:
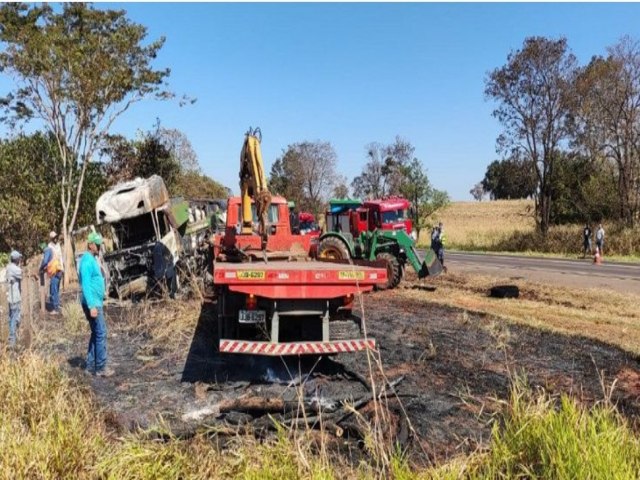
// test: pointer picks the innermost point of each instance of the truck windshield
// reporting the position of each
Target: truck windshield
(394, 216)
(272, 215)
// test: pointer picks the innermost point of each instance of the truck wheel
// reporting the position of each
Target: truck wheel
(333, 248)
(394, 271)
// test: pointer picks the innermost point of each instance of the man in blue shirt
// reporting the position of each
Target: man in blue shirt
(93, 288)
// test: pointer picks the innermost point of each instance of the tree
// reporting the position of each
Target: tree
(180, 147)
(509, 178)
(76, 71)
(192, 184)
(477, 192)
(532, 94)
(145, 156)
(425, 200)
(341, 190)
(306, 174)
(383, 174)
(607, 119)
(285, 179)
(29, 198)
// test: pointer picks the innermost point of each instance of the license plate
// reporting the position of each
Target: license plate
(251, 316)
(250, 275)
(351, 275)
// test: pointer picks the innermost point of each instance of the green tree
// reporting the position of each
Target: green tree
(425, 200)
(192, 184)
(285, 178)
(76, 70)
(532, 92)
(509, 178)
(28, 194)
(145, 156)
(606, 114)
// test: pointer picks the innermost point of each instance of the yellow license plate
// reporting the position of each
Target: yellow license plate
(350, 275)
(250, 275)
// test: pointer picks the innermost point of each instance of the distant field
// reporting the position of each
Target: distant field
(509, 226)
(482, 225)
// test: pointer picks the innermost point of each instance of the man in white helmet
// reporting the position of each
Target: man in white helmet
(14, 295)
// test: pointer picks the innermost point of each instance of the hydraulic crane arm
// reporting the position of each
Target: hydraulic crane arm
(253, 186)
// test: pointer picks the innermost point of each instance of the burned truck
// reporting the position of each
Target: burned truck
(137, 218)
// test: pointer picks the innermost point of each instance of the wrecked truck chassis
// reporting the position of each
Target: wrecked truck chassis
(130, 270)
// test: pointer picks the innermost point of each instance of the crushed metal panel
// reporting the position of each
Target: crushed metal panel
(131, 199)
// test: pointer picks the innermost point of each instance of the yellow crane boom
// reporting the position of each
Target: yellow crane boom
(253, 186)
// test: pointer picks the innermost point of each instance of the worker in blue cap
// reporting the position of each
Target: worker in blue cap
(14, 295)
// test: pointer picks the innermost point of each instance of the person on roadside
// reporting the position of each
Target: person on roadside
(14, 295)
(438, 241)
(600, 239)
(586, 240)
(55, 271)
(92, 286)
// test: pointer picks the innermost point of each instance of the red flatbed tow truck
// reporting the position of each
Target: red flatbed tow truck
(272, 298)
(297, 307)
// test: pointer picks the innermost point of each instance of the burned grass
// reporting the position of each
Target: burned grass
(456, 367)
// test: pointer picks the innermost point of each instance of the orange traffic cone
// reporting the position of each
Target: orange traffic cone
(597, 258)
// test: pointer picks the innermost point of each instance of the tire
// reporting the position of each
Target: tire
(504, 291)
(334, 249)
(394, 271)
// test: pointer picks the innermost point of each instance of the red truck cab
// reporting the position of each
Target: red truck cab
(281, 239)
(391, 213)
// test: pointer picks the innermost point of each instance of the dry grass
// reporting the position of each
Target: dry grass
(599, 314)
(481, 225)
(509, 226)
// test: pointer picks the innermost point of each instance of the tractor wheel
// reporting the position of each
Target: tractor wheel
(333, 248)
(394, 271)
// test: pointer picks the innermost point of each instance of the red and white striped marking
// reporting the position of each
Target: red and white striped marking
(295, 348)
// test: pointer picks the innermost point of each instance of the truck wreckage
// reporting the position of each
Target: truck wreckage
(143, 225)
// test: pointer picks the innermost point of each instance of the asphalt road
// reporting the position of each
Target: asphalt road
(577, 273)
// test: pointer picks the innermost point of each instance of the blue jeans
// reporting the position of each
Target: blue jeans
(97, 351)
(54, 291)
(14, 321)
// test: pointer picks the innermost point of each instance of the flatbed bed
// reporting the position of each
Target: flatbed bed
(297, 279)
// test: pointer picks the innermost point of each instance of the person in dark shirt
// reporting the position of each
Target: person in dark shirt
(586, 240)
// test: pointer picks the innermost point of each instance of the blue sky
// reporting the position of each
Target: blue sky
(351, 74)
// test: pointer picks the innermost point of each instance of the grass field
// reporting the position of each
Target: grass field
(509, 226)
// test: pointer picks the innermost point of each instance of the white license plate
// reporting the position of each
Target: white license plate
(251, 316)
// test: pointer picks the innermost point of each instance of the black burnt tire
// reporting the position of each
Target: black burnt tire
(394, 271)
(333, 248)
(345, 329)
(504, 291)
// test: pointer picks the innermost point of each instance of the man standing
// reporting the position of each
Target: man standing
(92, 286)
(14, 295)
(586, 240)
(55, 270)
(600, 239)
(437, 243)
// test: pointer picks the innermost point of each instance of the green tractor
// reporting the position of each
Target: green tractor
(375, 231)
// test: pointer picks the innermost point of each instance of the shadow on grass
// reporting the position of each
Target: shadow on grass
(205, 364)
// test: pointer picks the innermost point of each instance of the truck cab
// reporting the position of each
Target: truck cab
(390, 213)
(281, 240)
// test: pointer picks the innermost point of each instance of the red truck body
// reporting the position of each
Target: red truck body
(280, 302)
